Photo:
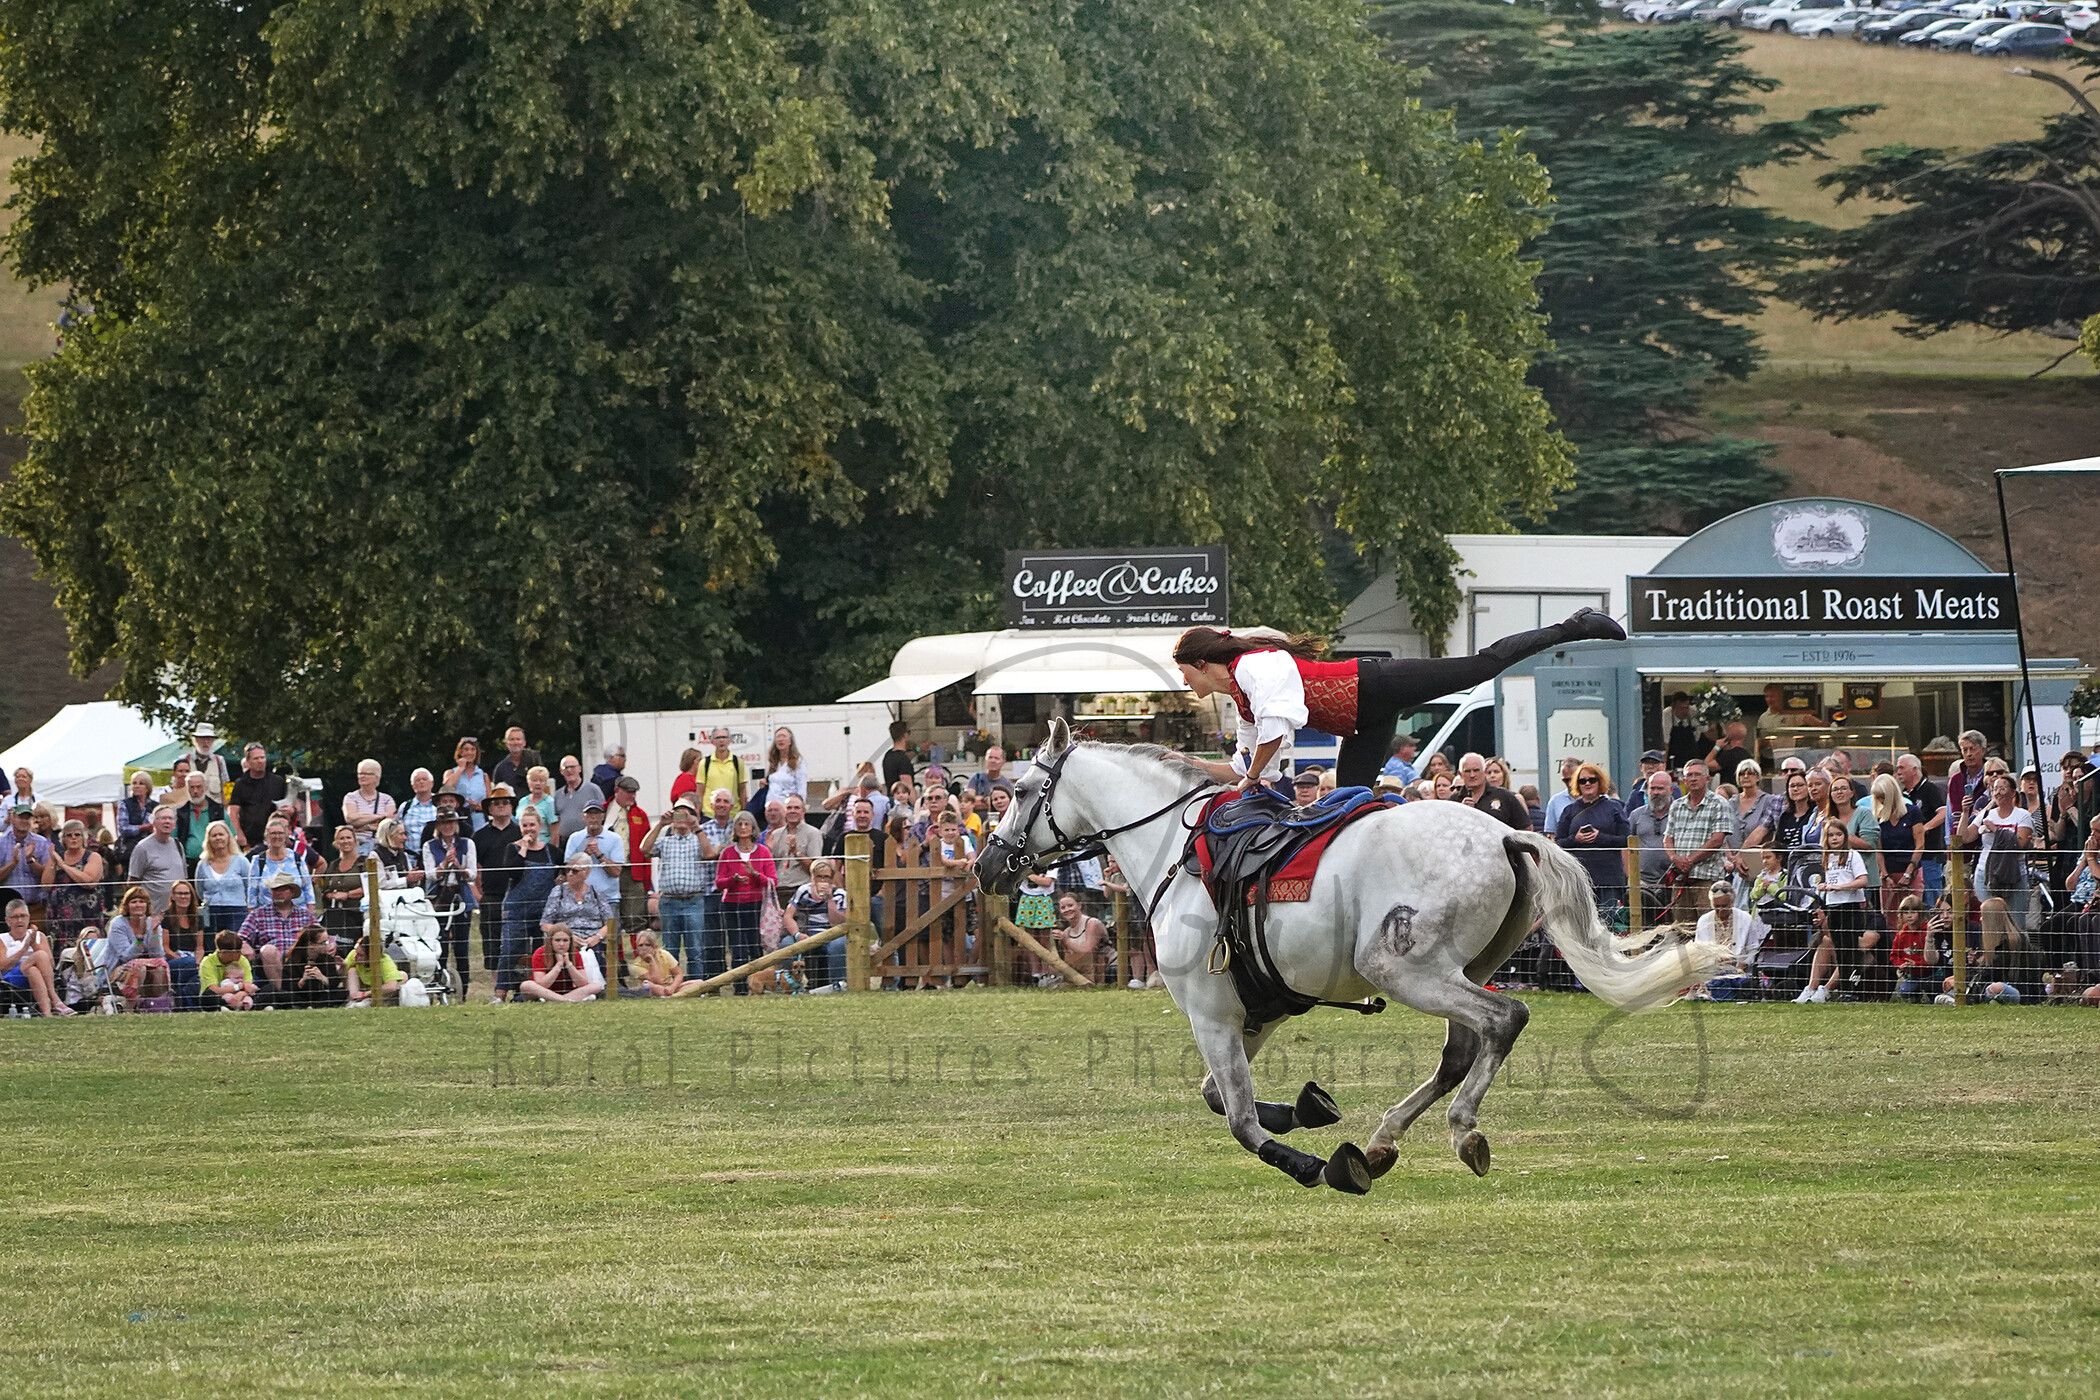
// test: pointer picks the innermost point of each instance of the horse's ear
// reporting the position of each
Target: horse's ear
(1060, 737)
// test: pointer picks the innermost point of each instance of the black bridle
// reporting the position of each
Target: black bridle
(1068, 850)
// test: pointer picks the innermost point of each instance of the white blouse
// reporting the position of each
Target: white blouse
(1276, 694)
(783, 783)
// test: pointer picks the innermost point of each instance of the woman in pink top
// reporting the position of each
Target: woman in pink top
(744, 876)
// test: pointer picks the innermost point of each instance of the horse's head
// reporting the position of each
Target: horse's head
(1028, 830)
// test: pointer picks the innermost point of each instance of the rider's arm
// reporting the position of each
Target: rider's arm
(1264, 755)
(1276, 695)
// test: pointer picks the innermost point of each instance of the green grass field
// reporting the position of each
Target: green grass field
(1734, 1201)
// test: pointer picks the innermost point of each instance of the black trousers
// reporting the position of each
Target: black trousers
(1387, 685)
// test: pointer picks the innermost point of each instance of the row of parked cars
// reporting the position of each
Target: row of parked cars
(2015, 29)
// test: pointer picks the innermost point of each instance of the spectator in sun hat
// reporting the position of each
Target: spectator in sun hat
(273, 927)
(452, 875)
(205, 758)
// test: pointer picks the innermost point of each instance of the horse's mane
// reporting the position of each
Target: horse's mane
(1157, 753)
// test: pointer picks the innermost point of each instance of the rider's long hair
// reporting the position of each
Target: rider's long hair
(1199, 646)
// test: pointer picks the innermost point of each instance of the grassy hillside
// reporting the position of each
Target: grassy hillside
(1927, 99)
(1927, 445)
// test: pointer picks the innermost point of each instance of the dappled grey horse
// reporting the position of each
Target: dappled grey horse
(1419, 902)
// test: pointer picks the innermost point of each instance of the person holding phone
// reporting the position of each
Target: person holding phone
(1594, 828)
(2007, 830)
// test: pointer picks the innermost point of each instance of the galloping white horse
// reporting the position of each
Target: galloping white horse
(1420, 902)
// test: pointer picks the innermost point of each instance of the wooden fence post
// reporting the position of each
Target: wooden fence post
(1633, 887)
(374, 953)
(991, 943)
(1958, 889)
(1122, 918)
(860, 914)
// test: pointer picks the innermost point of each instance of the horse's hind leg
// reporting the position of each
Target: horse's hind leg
(1461, 1047)
(1497, 1020)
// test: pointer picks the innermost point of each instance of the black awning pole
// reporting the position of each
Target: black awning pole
(2019, 629)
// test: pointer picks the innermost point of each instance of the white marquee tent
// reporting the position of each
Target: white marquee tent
(79, 754)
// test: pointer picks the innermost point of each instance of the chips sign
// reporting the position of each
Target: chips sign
(1117, 587)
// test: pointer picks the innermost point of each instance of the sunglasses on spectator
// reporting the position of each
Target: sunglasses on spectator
(1585, 782)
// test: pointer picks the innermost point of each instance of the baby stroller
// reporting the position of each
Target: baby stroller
(1791, 917)
(412, 936)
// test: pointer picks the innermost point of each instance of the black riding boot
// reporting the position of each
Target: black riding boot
(1583, 625)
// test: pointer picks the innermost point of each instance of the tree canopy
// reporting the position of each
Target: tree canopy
(1655, 255)
(444, 360)
(2006, 237)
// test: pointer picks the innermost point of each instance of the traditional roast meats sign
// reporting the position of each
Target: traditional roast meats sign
(1832, 603)
(1116, 587)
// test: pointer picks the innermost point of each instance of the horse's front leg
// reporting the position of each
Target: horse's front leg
(1232, 1079)
(1315, 1107)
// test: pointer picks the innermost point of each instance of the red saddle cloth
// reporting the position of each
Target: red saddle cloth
(1293, 883)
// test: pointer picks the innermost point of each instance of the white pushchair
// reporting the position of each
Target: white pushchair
(412, 936)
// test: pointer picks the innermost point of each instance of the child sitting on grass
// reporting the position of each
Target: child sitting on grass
(390, 978)
(1910, 951)
(660, 973)
(227, 975)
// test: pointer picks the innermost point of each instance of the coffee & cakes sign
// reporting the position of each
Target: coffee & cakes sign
(1173, 587)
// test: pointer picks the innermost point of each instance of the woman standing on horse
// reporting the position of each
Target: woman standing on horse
(1279, 685)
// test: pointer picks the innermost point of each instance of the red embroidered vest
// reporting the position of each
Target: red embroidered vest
(1330, 696)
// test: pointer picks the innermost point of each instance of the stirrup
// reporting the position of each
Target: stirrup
(1220, 957)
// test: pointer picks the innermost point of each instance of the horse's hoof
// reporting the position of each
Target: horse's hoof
(1348, 1171)
(1380, 1160)
(1315, 1107)
(1473, 1151)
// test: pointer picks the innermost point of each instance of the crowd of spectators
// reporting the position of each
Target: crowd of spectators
(238, 893)
(235, 893)
(1839, 879)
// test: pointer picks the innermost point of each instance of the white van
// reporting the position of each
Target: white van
(1466, 721)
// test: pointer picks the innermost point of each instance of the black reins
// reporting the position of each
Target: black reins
(1070, 850)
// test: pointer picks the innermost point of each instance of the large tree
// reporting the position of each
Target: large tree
(1656, 254)
(443, 361)
(2006, 237)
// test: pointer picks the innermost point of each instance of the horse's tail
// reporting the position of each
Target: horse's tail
(1629, 980)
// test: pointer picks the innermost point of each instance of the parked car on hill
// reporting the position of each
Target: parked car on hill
(1780, 14)
(1720, 11)
(1954, 40)
(1923, 37)
(1678, 14)
(1827, 24)
(1888, 31)
(2027, 41)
